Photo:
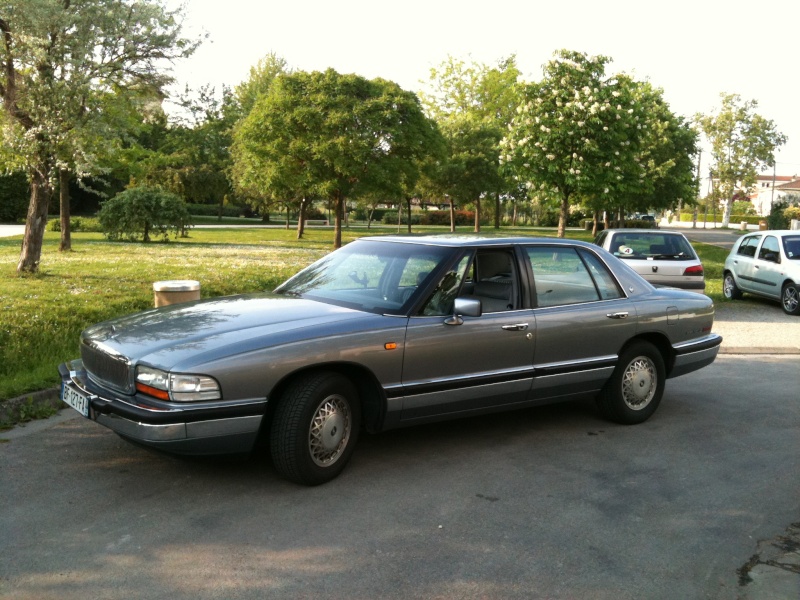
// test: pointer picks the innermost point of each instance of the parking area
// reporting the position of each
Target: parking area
(552, 502)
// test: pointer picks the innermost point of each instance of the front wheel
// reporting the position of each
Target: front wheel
(633, 392)
(315, 428)
(790, 299)
(729, 288)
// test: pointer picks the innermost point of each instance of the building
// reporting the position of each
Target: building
(770, 189)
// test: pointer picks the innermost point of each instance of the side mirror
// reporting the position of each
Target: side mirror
(464, 307)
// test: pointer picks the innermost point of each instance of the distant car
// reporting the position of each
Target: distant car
(664, 258)
(388, 332)
(766, 264)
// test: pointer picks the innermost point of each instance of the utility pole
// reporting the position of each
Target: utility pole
(694, 212)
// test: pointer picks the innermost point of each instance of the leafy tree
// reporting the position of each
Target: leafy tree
(332, 136)
(190, 157)
(742, 143)
(473, 104)
(142, 212)
(577, 133)
(63, 63)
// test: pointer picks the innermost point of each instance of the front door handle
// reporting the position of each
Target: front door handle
(617, 315)
(516, 327)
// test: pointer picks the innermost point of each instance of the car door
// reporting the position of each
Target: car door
(744, 263)
(767, 268)
(582, 321)
(470, 364)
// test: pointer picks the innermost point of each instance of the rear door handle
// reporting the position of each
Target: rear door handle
(617, 315)
(516, 327)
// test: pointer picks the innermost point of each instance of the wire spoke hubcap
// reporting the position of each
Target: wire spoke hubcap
(639, 383)
(329, 431)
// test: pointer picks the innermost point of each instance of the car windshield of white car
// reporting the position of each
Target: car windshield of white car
(646, 246)
(791, 245)
(377, 277)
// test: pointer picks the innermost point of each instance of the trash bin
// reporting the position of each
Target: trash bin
(762, 225)
(175, 291)
(743, 225)
(795, 224)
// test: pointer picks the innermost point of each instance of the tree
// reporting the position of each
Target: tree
(742, 143)
(577, 133)
(332, 136)
(473, 104)
(61, 63)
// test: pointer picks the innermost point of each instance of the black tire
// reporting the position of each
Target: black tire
(729, 288)
(315, 428)
(634, 391)
(790, 299)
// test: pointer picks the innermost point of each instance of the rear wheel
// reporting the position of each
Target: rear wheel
(729, 287)
(790, 299)
(633, 392)
(315, 428)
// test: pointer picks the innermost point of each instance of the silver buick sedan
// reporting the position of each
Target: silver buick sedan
(388, 332)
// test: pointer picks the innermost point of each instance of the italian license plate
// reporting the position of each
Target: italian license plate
(75, 399)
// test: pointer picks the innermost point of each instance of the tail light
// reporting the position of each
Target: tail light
(696, 270)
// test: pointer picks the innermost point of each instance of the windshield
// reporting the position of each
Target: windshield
(379, 277)
(791, 245)
(653, 246)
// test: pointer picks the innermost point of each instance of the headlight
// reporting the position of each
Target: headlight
(176, 386)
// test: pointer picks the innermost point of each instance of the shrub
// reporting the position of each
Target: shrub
(212, 210)
(777, 217)
(76, 224)
(140, 212)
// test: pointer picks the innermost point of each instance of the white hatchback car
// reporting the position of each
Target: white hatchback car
(766, 264)
(664, 258)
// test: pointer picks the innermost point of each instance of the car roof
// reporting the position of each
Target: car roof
(458, 241)
(644, 230)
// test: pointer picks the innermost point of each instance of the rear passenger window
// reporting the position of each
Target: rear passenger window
(560, 277)
(748, 246)
(603, 279)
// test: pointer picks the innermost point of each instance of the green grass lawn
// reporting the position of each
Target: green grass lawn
(43, 315)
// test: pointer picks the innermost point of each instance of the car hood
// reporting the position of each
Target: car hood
(196, 331)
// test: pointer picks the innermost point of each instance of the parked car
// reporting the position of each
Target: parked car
(664, 258)
(388, 332)
(766, 264)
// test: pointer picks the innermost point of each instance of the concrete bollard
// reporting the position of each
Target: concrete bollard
(175, 291)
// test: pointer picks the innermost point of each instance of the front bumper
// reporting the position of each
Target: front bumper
(184, 428)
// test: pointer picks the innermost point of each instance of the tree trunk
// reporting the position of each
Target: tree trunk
(287, 216)
(337, 221)
(369, 217)
(563, 216)
(452, 217)
(408, 213)
(726, 215)
(35, 223)
(478, 215)
(497, 210)
(301, 220)
(63, 195)
(594, 223)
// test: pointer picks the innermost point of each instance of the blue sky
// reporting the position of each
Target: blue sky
(693, 50)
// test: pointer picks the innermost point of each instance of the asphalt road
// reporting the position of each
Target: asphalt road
(550, 502)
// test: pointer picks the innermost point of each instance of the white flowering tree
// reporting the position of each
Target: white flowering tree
(577, 133)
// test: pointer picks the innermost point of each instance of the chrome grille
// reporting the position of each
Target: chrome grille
(106, 367)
